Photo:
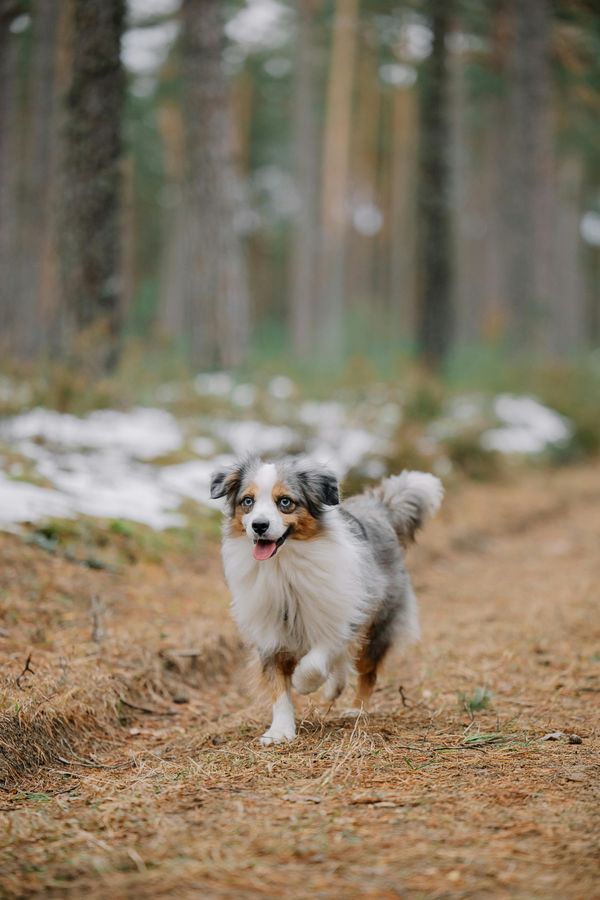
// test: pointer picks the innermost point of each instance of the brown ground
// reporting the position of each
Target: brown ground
(421, 799)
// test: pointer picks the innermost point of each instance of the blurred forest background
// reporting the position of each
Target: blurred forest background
(309, 181)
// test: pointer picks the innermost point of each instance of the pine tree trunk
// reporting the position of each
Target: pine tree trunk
(38, 172)
(216, 300)
(434, 226)
(91, 191)
(305, 143)
(362, 287)
(403, 203)
(336, 163)
(531, 188)
(9, 171)
(568, 321)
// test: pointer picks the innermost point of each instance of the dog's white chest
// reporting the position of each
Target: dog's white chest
(311, 593)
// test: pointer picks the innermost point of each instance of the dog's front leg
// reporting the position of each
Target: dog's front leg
(277, 669)
(312, 670)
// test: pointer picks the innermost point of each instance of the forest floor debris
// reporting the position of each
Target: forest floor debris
(429, 796)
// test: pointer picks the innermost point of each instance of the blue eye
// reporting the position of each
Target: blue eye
(285, 504)
(247, 503)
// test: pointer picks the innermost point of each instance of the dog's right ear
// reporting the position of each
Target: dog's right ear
(225, 482)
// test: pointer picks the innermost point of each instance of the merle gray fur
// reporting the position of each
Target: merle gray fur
(384, 520)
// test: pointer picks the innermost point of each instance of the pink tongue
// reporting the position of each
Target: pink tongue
(264, 549)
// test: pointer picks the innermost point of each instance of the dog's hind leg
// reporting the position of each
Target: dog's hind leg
(277, 672)
(373, 648)
(338, 676)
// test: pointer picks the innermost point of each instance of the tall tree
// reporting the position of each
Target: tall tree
(402, 211)
(305, 143)
(215, 302)
(434, 309)
(37, 166)
(9, 170)
(91, 190)
(336, 166)
(532, 200)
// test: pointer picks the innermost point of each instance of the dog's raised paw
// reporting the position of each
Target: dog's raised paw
(277, 736)
(307, 680)
(352, 712)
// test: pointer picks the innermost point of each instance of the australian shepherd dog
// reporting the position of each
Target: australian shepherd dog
(319, 587)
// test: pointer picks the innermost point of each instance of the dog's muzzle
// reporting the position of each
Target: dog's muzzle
(266, 549)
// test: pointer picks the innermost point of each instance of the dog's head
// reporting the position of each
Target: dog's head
(274, 502)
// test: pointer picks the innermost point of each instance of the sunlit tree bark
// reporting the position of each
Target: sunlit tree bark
(216, 297)
(336, 163)
(305, 144)
(531, 198)
(38, 226)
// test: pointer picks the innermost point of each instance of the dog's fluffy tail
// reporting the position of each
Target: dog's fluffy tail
(410, 498)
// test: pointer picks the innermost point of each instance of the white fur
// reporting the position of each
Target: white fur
(311, 597)
(308, 595)
(308, 598)
(399, 492)
(264, 505)
(283, 726)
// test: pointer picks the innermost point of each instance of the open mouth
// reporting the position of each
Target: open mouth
(266, 549)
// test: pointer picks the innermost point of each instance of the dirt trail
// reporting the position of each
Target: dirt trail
(424, 798)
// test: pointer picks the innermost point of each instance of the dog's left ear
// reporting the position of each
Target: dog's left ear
(321, 489)
(330, 489)
(225, 482)
(217, 484)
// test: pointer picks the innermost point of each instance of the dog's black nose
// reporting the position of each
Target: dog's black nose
(260, 525)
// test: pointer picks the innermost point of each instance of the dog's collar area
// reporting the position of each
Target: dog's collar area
(261, 547)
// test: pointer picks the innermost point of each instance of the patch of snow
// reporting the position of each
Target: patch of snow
(398, 74)
(213, 384)
(589, 228)
(22, 502)
(204, 446)
(20, 24)
(104, 483)
(367, 219)
(255, 437)
(344, 449)
(259, 25)
(244, 395)
(278, 67)
(330, 415)
(142, 10)
(143, 432)
(416, 39)
(281, 387)
(144, 50)
(374, 469)
(192, 479)
(528, 426)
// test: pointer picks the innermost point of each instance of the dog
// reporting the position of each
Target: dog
(319, 586)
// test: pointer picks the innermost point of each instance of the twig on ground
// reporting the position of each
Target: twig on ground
(93, 764)
(405, 702)
(26, 669)
(146, 709)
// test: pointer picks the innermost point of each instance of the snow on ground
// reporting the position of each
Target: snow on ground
(141, 432)
(104, 464)
(527, 426)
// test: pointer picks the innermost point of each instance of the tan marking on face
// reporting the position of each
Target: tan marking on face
(304, 526)
(236, 524)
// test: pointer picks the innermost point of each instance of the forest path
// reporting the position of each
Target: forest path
(422, 798)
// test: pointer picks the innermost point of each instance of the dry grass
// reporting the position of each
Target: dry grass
(431, 796)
